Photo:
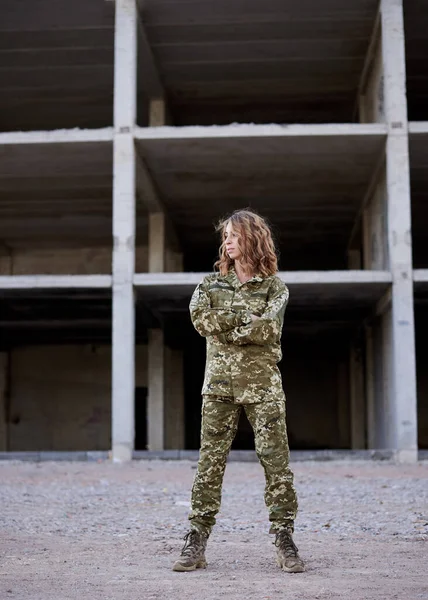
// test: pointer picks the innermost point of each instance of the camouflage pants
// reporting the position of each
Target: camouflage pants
(219, 424)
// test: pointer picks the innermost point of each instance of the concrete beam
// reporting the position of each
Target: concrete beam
(48, 282)
(59, 136)
(418, 126)
(420, 275)
(254, 131)
(124, 217)
(290, 277)
(402, 423)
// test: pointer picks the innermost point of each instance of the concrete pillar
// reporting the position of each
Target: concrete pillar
(124, 207)
(370, 388)
(354, 259)
(174, 261)
(157, 112)
(157, 243)
(156, 354)
(375, 248)
(165, 388)
(4, 391)
(343, 416)
(402, 425)
(156, 391)
(174, 400)
(357, 397)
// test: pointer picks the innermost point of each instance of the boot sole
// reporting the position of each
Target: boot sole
(296, 569)
(181, 568)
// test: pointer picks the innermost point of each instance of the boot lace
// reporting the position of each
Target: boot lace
(192, 540)
(284, 542)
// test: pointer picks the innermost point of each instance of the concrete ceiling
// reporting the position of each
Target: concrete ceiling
(266, 61)
(56, 64)
(418, 144)
(416, 27)
(56, 194)
(310, 187)
(220, 60)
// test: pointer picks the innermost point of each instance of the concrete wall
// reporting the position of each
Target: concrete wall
(61, 397)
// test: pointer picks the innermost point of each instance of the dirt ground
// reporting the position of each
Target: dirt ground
(89, 531)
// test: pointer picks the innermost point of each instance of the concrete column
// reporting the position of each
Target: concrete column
(4, 366)
(174, 400)
(357, 397)
(375, 248)
(343, 416)
(157, 112)
(156, 391)
(156, 354)
(370, 389)
(166, 392)
(402, 425)
(157, 243)
(124, 206)
(174, 261)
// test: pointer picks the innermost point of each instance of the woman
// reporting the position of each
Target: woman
(240, 311)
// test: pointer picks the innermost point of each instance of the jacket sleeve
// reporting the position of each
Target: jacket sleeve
(213, 321)
(268, 328)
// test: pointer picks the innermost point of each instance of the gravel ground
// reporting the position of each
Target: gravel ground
(107, 531)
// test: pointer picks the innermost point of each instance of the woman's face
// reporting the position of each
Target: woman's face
(231, 240)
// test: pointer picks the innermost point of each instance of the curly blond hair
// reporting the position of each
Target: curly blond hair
(255, 243)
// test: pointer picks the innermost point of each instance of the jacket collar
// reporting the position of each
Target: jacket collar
(232, 278)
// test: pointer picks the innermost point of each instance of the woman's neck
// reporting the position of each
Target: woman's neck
(242, 272)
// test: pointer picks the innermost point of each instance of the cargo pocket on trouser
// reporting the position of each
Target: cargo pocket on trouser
(218, 429)
(270, 432)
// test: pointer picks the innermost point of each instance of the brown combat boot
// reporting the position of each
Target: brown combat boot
(193, 553)
(287, 555)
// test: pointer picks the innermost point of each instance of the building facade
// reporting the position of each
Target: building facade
(127, 128)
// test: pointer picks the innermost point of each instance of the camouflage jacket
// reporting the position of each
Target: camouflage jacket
(242, 355)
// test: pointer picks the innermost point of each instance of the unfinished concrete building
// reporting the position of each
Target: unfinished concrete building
(127, 128)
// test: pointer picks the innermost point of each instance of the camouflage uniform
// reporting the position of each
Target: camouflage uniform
(241, 372)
